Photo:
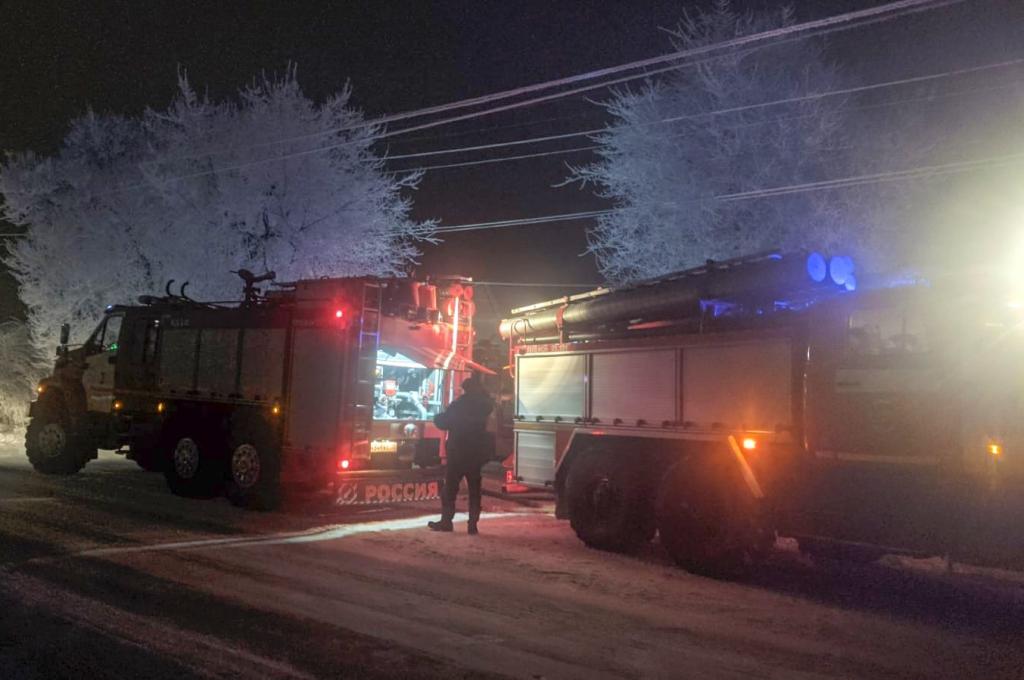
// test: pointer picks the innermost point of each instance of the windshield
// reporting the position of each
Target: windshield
(105, 337)
(405, 389)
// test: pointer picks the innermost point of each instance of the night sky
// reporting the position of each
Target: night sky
(58, 58)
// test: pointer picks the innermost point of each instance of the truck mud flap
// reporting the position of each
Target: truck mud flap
(383, 487)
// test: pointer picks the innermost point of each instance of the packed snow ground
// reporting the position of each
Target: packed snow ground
(524, 599)
(527, 599)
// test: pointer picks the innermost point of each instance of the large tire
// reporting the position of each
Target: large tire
(52, 443)
(193, 453)
(708, 523)
(609, 501)
(254, 464)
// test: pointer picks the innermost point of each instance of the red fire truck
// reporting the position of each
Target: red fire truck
(325, 382)
(727, 404)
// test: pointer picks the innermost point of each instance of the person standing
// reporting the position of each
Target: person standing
(467, 447)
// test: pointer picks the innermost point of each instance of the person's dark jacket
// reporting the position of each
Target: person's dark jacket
(466, 423)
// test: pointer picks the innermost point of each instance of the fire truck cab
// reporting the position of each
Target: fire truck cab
(315, 383)
(725, 405)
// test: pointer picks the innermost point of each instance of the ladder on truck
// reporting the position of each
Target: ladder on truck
(368, 342)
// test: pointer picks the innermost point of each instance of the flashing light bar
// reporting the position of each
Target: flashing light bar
(817, 268)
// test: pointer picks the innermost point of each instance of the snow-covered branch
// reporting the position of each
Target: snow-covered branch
(194, 191)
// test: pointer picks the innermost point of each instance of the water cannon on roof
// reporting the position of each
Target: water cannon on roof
(252, 293)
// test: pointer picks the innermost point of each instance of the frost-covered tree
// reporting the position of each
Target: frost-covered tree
(681, 144)
(271, 180)
(21, 367)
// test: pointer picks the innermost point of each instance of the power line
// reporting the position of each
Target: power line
(506, 158)
(893, 7)
(492, 128)
(875, 178)
(914, 5)
(717, 112)
(735, 109)
(525, 221)
(837, 183)
(593, 131)
(770, 192)
(896, 102)
(881, 13)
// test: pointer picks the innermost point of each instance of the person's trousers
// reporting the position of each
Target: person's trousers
(453, 475)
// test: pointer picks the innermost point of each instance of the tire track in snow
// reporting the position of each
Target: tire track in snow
(203, 654)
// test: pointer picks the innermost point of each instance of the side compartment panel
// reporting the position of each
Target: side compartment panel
(551, 386)
(314, 392)
(634, 385)
(747, 386)
(262, 363)
(535, 457)
(217, 361)
(178, 359)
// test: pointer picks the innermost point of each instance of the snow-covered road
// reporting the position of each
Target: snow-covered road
(527, 599)
(286, 598)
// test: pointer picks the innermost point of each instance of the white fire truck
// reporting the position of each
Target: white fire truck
(326, 382)
(726, 404)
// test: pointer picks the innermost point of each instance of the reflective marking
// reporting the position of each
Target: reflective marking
(322, 534)
(29, 499)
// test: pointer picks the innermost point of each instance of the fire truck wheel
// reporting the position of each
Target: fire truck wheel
(704, 524)
(254, 475)
(51, 443)
(609, 503)
(192, 465)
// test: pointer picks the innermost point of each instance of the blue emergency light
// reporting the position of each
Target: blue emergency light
(817, 268)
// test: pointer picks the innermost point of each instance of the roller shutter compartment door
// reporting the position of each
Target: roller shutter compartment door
(634, 386)
(552, 385)
(535, 457)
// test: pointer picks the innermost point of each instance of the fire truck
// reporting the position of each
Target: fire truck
(725, 405)
(324, 383)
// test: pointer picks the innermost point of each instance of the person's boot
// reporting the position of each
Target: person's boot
(471, 529)
(440, 525)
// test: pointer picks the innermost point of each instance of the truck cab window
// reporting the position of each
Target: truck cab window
(149, 340)
(885, 331)
(112, 333)
(107, 335)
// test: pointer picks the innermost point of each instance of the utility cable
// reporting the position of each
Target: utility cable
(735, 109)
(888, 11)
(896, 102)
(718, 112)
(838, 183)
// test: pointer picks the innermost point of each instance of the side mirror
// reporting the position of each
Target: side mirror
(65, 333)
